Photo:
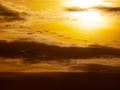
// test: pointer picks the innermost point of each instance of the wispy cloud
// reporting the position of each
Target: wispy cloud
(74, 9)
(108, 9)
(8, 14)
(96, 68)
(100, 8)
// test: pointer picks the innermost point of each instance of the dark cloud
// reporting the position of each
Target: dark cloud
(33, 51)
(61, 80)
(74, 9)
(97, 68)
(108, 9)
(7, 14)
(100, 8)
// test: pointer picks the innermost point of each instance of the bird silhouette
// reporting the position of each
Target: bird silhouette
(29, 33)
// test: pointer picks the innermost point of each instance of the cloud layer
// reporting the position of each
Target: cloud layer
(9, 15)
(33, 51)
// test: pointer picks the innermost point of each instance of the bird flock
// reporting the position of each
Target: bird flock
(44, 31)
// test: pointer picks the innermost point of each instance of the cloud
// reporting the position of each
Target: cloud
(100, 8)
(74, 9)
(7, 14)
(33, 51)
(108, 9)
(97, 68)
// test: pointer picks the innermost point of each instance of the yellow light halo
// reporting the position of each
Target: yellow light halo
(82, 3)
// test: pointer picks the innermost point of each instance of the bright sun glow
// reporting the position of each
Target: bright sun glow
(89, 20)
(83, 3)
(89, 16)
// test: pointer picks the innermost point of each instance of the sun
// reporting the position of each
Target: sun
(87, 21)
(83, 3)
(88, 18)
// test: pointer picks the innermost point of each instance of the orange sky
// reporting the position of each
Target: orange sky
(39, 30)
(95, 26)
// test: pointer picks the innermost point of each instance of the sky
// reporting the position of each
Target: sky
(65, 35)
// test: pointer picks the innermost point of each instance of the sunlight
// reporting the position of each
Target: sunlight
(87, 20)
(89, 16)
(83, 3)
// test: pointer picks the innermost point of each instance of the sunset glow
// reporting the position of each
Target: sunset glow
(83, 3)
(88, 19)
(44, 37)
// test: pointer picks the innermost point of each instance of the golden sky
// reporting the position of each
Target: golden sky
(67, 21)
(52, 29)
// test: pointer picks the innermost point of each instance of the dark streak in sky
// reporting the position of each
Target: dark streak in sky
(97, 68)
(32, 51)
(101, 8)
(108, 9)
(74, 9)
